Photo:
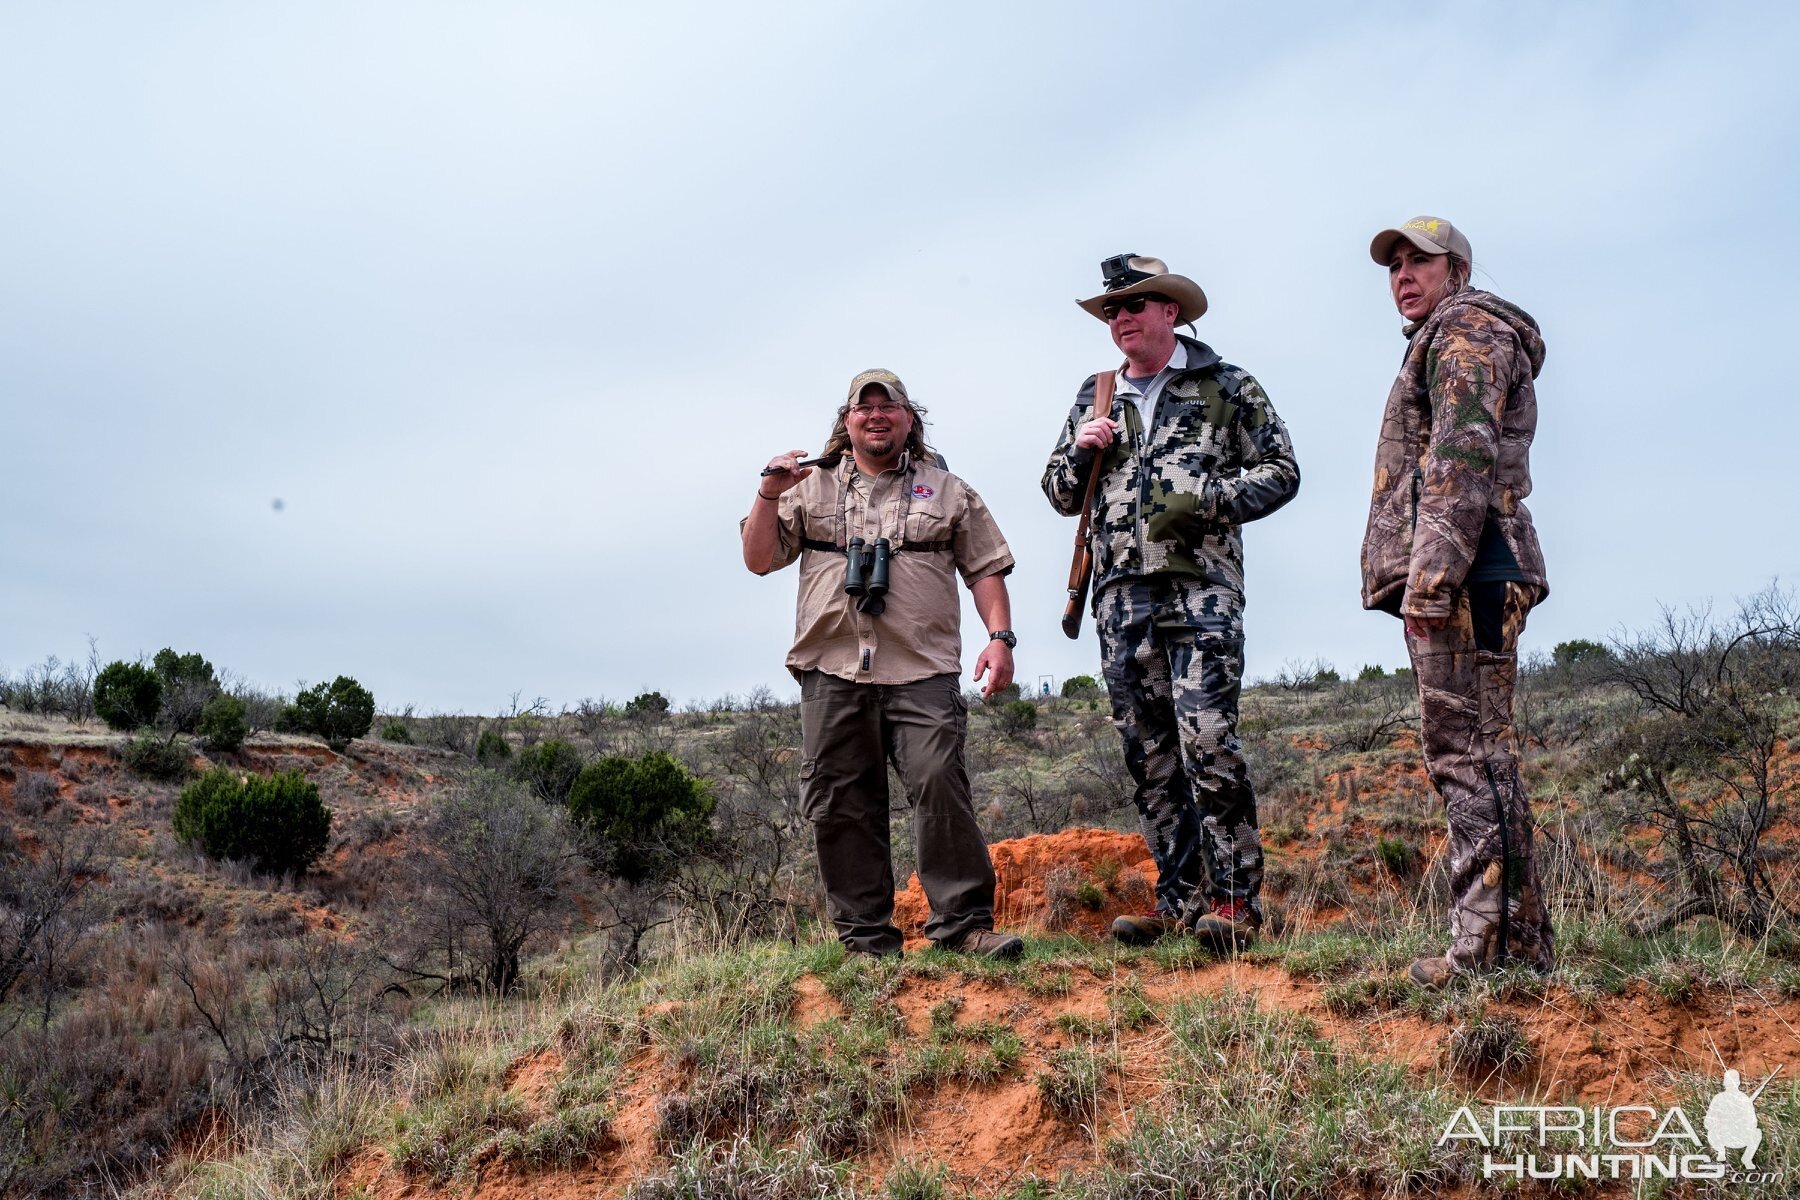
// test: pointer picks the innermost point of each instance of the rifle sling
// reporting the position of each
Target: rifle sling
(1103, 398)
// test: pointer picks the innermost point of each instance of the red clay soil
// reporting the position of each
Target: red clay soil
(1116, 864)
(1608, 1050)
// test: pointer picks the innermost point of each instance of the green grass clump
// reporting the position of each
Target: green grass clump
(1485, 1044)
(1071, 1080)
(1130, 1008)
(566, 1137)
(744, 1167)
(1289, 1115)
(438, 1141)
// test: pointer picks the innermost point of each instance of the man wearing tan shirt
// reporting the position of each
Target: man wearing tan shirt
(878, 664)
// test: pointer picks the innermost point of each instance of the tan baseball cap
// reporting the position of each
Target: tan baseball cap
(890, 383)
(1433, 235)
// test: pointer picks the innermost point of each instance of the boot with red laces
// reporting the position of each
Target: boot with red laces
(1228, 928)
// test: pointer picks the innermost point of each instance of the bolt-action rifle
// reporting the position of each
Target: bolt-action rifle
(1081, 570)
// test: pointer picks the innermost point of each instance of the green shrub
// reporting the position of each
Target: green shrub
(127, 695)
(183, 670)
(156, 757)
(338, 712)
(275, 822)
(645, 814)
(1396, 856)
(395, 730)
(1577, 651)
(223, 724)
(1016, 716)
(1079, 687)
(188, 683)
(647, 704)
(1371, 671)
(549, 769)
(491, 749)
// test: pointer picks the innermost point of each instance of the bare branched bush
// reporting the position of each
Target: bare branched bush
(498, 871)
(1045, 803)
(1099, 774)
(758, 877)
(1700, 763)
(48, 913)
(54, 688)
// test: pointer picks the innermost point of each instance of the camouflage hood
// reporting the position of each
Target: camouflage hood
(1172, 495)
(1454, 456)
(1531, 340)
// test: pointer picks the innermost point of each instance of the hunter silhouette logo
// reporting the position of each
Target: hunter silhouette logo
(1731, 1119)
(1627, 1141)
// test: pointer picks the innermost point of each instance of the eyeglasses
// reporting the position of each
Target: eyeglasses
(886, 408)
(1135, 305)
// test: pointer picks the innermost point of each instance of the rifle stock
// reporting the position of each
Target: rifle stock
(1081, 569)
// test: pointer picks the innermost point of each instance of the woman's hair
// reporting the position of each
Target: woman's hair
(838, 443)
(1460, 270)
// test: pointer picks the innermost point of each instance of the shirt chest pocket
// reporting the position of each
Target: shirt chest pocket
(821, 518)
(928, 523)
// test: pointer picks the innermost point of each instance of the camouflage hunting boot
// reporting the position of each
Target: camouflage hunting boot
(1431, 973)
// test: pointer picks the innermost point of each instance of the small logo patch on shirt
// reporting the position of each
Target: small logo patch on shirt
(922, 491)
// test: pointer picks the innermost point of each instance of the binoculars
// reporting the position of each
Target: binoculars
(866, 575)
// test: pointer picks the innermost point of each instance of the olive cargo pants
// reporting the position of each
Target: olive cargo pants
(850, 732)
(1466, 674)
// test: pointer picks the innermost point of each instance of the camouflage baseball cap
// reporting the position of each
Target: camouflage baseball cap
(890, 383)
(1134, 274)
(1433, 235)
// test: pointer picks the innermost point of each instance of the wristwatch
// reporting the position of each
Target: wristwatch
(1005, 635)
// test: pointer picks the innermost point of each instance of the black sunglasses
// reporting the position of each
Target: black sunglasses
(1135, 305)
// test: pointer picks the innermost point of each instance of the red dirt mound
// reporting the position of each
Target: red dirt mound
(1076, 880)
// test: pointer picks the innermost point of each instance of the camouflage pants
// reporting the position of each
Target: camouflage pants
(1172, 653)
(1466, 673)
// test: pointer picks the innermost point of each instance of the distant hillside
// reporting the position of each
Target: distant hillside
(176, 1026)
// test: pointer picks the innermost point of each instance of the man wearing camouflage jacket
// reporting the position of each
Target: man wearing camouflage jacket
(1191, 450)
(1451, 549)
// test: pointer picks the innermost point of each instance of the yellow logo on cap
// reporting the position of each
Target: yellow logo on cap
(1430, 226)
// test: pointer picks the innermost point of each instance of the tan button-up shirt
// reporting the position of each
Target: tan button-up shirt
(920, 633)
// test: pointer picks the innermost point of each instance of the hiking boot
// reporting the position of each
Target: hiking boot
(1140, 929)
(1228, 928)
(1432, 973)
(986, 943)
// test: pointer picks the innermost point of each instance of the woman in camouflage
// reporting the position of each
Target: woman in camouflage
(1450, 549)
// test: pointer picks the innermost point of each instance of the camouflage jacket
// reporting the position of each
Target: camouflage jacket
(1171, 498)
(1455, 441)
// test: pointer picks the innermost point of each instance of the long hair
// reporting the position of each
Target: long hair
(838, 444)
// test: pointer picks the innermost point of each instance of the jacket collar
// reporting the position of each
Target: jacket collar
(1200, 356)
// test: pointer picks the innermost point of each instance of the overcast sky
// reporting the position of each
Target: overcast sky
(507, 304)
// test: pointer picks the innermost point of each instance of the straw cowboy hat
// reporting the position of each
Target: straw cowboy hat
(1129, 275)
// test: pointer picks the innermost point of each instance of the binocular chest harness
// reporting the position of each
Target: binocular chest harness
(865, 564)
